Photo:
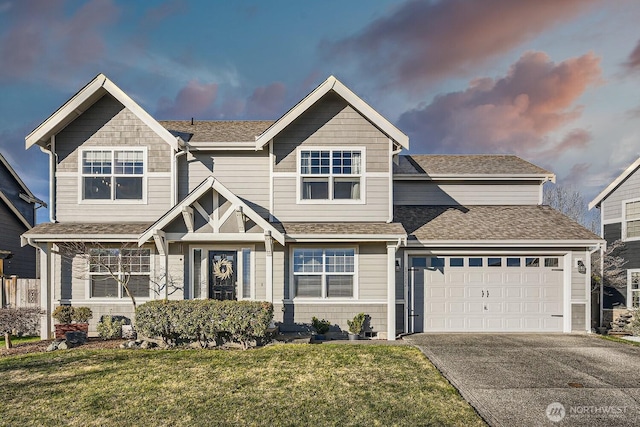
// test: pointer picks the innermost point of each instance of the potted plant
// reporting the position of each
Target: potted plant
(355, 326)
(66, 314)
(321, 327)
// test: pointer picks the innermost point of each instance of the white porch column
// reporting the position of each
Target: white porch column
(268, 245)
(391, 292)
(46, 291)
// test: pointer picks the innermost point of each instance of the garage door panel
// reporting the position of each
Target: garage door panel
(505, 298)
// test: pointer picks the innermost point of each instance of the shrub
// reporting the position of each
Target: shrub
(634, 325)
(204, 321)
(20, 320)
(110, 327)
(356, 325)
(321, 326)
(81, 314)
(63, 314)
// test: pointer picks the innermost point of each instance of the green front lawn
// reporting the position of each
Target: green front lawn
(18, 340)
(317, 385)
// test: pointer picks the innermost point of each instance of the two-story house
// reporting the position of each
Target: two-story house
(17, 214)
(317, 212)
(619, 205)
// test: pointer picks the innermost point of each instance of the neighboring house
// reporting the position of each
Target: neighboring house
(619, 206)
(17, 215)
(316, 212)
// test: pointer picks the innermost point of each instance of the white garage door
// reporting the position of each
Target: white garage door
(485, 294)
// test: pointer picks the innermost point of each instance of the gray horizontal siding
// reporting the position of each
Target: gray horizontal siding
(286, 207)
(12, 190)
(372, 271)
(465, 193)
(246, 174)
(23, 263)
(612, 204)
(578, 312)
(579, 282)
(331, 122)
(69, 210)
(109, 123)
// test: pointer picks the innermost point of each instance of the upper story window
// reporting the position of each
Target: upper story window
(632, 219)
(112, 174)
(331, 174)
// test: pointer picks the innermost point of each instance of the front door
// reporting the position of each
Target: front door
(222, 275)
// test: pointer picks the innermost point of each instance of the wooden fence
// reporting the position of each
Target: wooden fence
(17, 293)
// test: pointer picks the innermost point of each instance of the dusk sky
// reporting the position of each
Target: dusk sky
(555, 82)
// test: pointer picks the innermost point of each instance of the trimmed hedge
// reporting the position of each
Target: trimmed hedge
(204, 321)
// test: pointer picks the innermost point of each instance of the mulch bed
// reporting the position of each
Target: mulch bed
(41, 346)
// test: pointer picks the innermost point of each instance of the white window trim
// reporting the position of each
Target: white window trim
(204, 269)
(145, 176)
(324, 298)
(624, 221)
(331, 201)
(122, 296)
(629, 290)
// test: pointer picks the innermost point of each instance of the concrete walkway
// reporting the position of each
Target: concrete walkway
(537, 380)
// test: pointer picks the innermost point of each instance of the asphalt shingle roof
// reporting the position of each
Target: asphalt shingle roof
(217, 130)
(361, 228)
(477, 164)
(101, 229)
(426, 223)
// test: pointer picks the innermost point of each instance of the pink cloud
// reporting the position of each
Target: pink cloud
(422, 41)
(193, 100)
(511, 114)
(266, 102)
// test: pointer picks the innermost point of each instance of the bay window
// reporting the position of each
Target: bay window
(331, 174)
(323, 273)
(111, 174)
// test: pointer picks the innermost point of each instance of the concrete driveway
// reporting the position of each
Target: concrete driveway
(517, 379)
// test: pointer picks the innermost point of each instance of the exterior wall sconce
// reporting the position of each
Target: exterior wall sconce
(582, 269)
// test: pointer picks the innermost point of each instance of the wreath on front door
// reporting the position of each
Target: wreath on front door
(223, 269)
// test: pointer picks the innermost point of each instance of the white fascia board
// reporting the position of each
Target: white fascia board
(222, 146)
(15, 211)
(215, 237)
(81, 237)
(206, 185)
(332, 84)
(76, 106)
(174, 212)
(469, 177)
(308, 238)
(505, 243)
(616, 182)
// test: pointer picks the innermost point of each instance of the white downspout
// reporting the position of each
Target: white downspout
(53, 162)
(175, 175)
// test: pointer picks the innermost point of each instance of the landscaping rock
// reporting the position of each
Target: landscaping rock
(53, 346)
(132, 344)
(148, 344)
(123, 345)
(128, 333)
(63, 346)
(76, 338)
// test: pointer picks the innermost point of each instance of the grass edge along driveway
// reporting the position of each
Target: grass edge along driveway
(275, 385)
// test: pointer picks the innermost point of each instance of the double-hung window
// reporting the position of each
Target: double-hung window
(112, 174)
(633, 292)
(632, 219)
(331, 174)
(324, 273)
(110, 269)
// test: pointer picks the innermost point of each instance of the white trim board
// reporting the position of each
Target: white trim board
(84, 99)
(356, 102)
(616, 182)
